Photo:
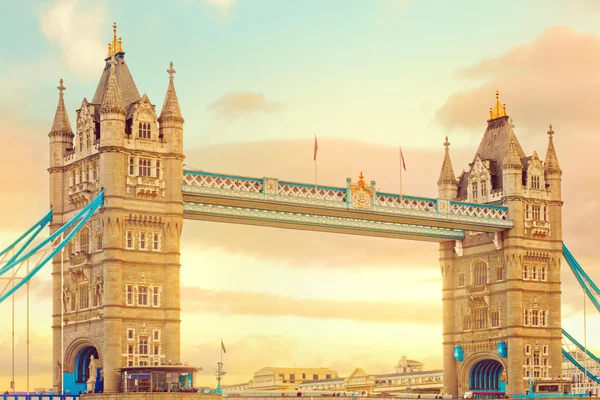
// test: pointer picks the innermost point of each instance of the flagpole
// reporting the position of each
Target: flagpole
(400, 166)
(315, 172)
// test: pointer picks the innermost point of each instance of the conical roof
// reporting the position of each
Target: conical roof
(170, 109)
(447, 172)
(129, 92)
(112, 101)
(551, 162)
(512, 158)
(61, 118)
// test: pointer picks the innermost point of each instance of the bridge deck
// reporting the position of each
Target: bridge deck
(270, 202)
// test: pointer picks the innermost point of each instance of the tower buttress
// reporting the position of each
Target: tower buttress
(447, 184)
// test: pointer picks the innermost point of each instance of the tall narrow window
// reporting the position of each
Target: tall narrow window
(543, 318)
(84, 296)
(461, 279)
(543, 276)
(131, 162)
(525, 272)
(500, 274)
(143, 345)
(142, 240)
(158, 169)
(99, 242)
(535, 212)
(535, 181)
(155, 296)
(129, 293)
(95, 171)
(155, 241)
(526, 317)
(142, 295)
(536, 358)
(474, 190)
(534, 274)
(545, 350)
(129, 239)
(545, 213)
(535, 318)
(481, 316)
(484, 188)
(495, 319)
(527, 212)
(84, 240)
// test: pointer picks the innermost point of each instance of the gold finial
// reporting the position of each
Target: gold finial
(115, 38)
(171, 71)
(62, 88)
(120, 45)
(109, 51)
(360, 180)
(446, 143)
(499, 110)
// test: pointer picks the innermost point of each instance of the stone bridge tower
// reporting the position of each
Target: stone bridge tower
(501, 291)
(120, 298)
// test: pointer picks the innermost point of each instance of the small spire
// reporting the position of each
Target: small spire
(170, 109)
(61, 118)
(114, 38)
(447, 172)
(112, 101)
(512, 159)
(499, 110)
(551, 162)
(361, 181)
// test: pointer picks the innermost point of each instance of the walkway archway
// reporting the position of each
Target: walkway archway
(82, 363)
(485, 376)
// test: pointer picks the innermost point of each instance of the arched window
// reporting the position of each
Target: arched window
(143, 345)
(144, 167)
(84, 240)
(479, 273)
(461, 279)
(535, 181)
(144, 130)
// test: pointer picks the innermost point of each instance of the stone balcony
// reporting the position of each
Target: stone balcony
(82, 193)
(146, 186)
(537, 228)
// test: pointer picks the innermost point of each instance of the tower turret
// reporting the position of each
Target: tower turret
(552, 171)
(61, 135)
(447, 184)
(170, 119)
(512, 170)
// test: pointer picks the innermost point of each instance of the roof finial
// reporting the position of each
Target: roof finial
(550, 132)
(361, 182)
(171, 71)
(62, 88)
(446, 143)
(115, 38)
(120, 45)
(499, 110)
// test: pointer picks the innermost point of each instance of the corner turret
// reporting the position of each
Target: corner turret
(170, 119)
(447, 184)
(512, 170)
(552, 171)
(61, 135)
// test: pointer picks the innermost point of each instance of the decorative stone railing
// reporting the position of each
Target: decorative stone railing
(145, 186)
(81, 193)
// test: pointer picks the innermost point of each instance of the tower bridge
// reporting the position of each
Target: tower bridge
(120, 194)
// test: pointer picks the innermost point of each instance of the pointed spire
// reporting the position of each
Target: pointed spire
(551, 162)
(447, 172)
(512, 159)
(112, 101)
(170, 109)
(61, 118)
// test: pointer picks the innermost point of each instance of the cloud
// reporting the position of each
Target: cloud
(553, 79)
(237, 104)
(78, 26)
(265, 304)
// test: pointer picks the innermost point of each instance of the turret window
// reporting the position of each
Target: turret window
(144, 130)
(480, 274)
(535, 181)
(484, 188)
(145, 168)
(131, 162)
(474, 190)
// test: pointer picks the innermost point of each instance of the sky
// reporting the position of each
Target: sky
(257, 80)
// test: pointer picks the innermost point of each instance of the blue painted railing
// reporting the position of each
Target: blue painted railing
(35, 396)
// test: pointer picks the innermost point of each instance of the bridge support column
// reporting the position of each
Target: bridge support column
(113, 330)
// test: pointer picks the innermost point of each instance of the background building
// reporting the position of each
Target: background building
(572, 373)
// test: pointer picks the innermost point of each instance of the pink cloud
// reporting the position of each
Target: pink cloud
(236, 104)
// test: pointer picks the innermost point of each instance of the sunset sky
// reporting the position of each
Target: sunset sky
(256, 80)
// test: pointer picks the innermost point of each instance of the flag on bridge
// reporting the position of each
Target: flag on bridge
(402, 159)
(316, 148)
(223, 347)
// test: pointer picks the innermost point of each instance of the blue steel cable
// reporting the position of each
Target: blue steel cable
(95, 204)
(580, 269)
(578, 275)
(42, 222)
(580, 346)
(61, 245)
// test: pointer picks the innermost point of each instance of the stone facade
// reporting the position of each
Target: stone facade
(503, 289)
(121, 292)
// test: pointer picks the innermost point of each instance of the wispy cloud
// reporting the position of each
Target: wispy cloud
(237, 104)
(550, 80)
(222, 6)
(78, 27)
(265, 304)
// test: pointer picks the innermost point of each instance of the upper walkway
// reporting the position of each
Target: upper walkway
(356, 208)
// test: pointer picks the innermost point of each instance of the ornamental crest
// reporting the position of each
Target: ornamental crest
(361, 194)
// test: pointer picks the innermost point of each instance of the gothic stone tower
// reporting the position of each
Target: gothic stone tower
(121, 273)
(501, 292)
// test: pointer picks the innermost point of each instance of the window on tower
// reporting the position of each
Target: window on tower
(129, 239)
(535, 211)
(144, 130)
(534, 274)
(535, 317)
(155, 296)
(155, 241)
(526, 317)
(157, 169)
(484, 188)
(143, 345)
(495, 318)
(500, 274)
(543, 276)
(480, 274)
(84, 296)
(129, 295)
(481, 318)
(142, 240)
(474, 190)
(145, 168)
(525, 272)
(131, 162)
(84, 240)
(142, 295)
(535, 181)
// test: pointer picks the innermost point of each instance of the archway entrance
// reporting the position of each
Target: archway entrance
(82, 363)
(486, 376)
